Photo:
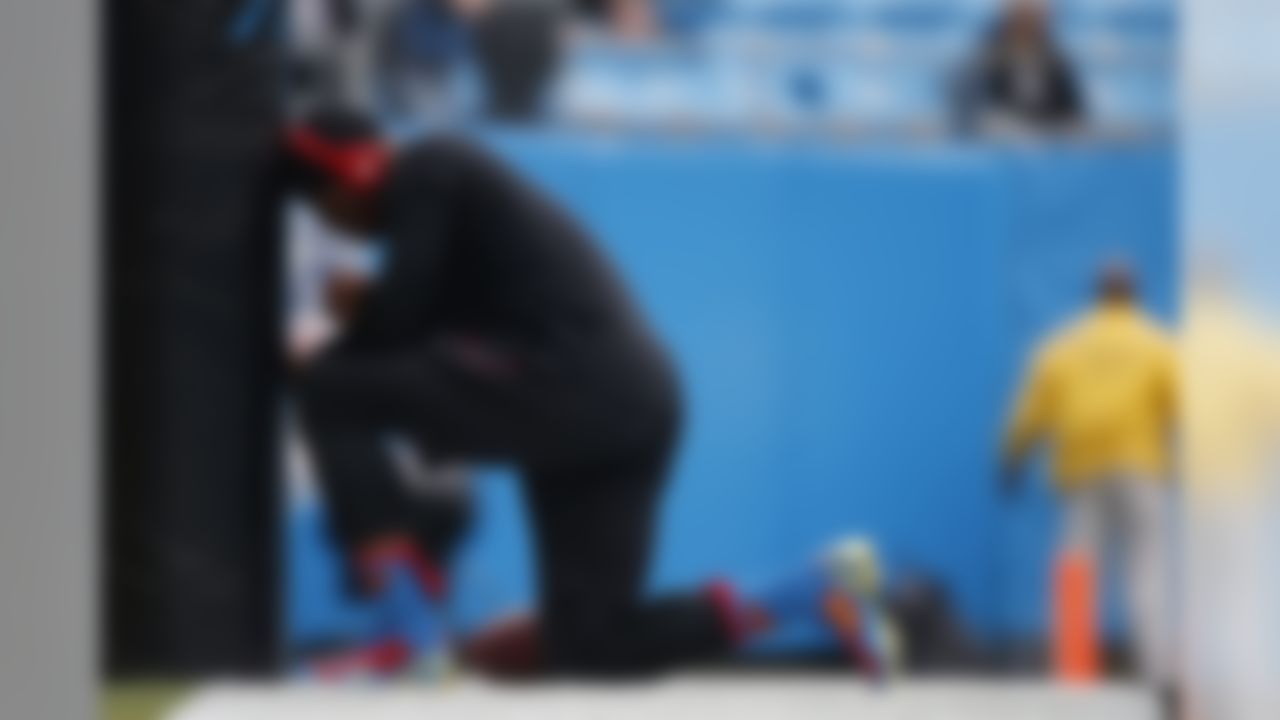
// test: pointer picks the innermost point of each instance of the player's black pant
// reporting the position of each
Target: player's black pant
(592, 437)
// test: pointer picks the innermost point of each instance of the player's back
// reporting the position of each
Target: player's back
(509, 259)
(1110, 376)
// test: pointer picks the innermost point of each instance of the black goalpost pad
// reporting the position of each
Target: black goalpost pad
(190, 257)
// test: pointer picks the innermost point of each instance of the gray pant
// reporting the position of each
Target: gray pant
(1128, 519)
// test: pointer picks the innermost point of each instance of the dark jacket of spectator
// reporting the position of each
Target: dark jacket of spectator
(1022, 78)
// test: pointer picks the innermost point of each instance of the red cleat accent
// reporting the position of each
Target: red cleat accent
(383, 658)
(378, 556)
(509, 649)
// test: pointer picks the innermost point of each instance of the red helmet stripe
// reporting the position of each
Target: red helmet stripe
(359, 166)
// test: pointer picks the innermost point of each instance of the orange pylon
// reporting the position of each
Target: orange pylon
(1076, 647)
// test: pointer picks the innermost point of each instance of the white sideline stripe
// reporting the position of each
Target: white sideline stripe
(746, 697)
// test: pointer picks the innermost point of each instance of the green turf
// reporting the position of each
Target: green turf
(140, 701)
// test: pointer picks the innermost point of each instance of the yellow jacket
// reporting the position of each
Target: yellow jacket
(1102, 391)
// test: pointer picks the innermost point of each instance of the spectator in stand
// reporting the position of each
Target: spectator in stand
(1021, 81)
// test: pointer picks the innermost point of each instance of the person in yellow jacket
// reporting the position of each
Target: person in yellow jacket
(1101, 393)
